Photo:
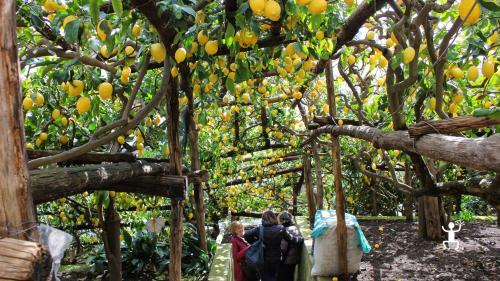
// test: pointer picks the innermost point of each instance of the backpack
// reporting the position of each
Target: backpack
(254, 256)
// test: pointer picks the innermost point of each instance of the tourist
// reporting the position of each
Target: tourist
(239, 248)
(273, 234)
(290, 251)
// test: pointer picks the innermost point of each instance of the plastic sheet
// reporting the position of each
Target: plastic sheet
(57, 241)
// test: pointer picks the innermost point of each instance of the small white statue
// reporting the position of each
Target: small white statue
(451, 236)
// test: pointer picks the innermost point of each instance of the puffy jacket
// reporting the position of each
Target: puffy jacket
(273, 234)
(291, 251)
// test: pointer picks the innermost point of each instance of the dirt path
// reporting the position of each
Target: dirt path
(402, 256)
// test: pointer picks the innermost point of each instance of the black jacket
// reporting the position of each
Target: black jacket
(291, 251)
(273, 234)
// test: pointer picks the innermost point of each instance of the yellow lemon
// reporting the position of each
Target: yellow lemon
(202, 38)
(488, 69)
(158, 52)
(75, 88)
(27, 103)
(136, 30)
(408, 55)
(465, 7)
(174, 71)
(211, 47)
(64, 121)
(43, 136)
(180, 55)
(257, 6)
(487, 104)
(472, 73)
(56, 113)
(351, 59)
(453, 108)
(105, 90)
(246, 98)
(370, 35)
(39, 100)
(374, 166)
(156, 120)
(200, 17)
(432, 103)
(457, 73)
(317, 7)
(320, 35)
(389, 43)
(383, 62)
(69, 19)
(63, 139)
(272, 10)
(38, 142)
(129, 51)
(101, 33)
(29, 145)
(104, 52)
(50, 6)
(340, 122)
(83, 105)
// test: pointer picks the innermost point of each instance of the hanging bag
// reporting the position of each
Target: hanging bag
(254, 256)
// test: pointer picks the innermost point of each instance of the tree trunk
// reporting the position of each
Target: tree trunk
(408, 205)
(111, 226)
(17, 213)
(373, 197)
(432, 218)
(319, 180)
(174, 267)
(337, 173)
(422, 230)
(498, 217)
(311, 205)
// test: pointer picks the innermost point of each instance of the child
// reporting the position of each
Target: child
(239, 248)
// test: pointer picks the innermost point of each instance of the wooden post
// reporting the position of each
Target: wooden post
(319, 180)
(174, 266)
(408, 205)
(17, 213)
(311, 205)
(337, 173)
(195, 161)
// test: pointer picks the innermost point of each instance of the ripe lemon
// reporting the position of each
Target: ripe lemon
(317, 7)
(320, 35)
(383, 62)
(56, 113)
(38, 142)
(104, 52)
(202, 38)
(257, 6)
(465, 7)
(432, 103)
(487, 104)
(340, 122)
(370, 35)
(63, 139)
(453, 108)
(29, 145)
(83, 105)
(472, 73)
(158, 52)
(246, 98)
(129, 51)
(211, 47)
(101, 33)
(180, 55)
(50, 6)
(75, 88)
(272, 10)
(200, 17)
(458, 98)
(27, 103)
(174, 71)
(148, 122)
(120, 140)
(69, 19)
(389, 43)
(457, 73)
(39, 100)
(43, 136)
(105, 90)
(136, 30)
(488, 69)
(408, 55)
(156, 120)
(351, 59)
(64, 121)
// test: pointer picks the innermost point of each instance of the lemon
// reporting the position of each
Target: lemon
(129, 51)
(472, 73)
(29, 145)
(317, 7)
(374, 166)
(101, 33)
(290, 49)
(453, 108)
(200, 17)
(174, 71)
(105, 90)
(43, 136)
(104, 52)
(156, 120)
(56, 113)
(389, 43)
(487, 104)
(202, 38)
(408, 55)
(51, 17)
(136, 30)
(257, 6)
(211, 47)
(320, 35)
(303, 2)
(39, 100)
(383, 62)
(458, 98)
(351, 59)
(488, 69)
(83, 105)
(38, 142)
(465, 7)
(432, 103)
(50, 6)
(370, 35)
(272, 10)
(340, 122)
(457, 73)
(180, 55)
(246, 98)
(63, 139)
(120, 140)
(64, 121)
(125, 74)
(158, 52)
(349, 3)
(75, 88)
(69, 19)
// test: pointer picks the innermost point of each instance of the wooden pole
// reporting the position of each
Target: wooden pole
(311, 205)
(408, 205)
(319, 180)
(17, 213)
(174, 266)
(337, 172)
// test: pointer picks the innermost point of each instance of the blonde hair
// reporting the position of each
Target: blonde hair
(235, 225)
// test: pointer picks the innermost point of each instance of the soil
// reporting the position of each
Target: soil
(403, 256)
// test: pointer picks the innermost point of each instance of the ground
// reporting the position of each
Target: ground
(403, 256)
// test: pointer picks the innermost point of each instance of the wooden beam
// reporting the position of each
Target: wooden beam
(241, 181)
(479, 153)
(451, 125)
(87, 158)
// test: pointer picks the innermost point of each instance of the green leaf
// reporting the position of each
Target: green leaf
(188, 10)
(396, 61)
(490, 5)
(230, 85)
(36, 20)
(316, 21)
(117, 6)
(94, 10)
(229, 34)
(71, 31)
